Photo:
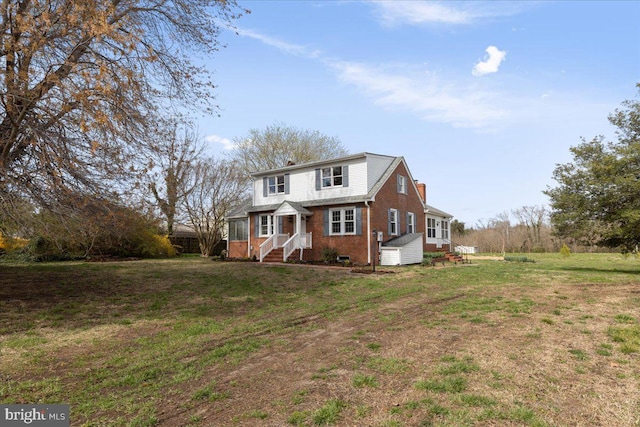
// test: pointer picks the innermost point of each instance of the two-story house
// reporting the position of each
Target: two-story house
(356, 204)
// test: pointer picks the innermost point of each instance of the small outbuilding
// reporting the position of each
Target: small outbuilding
(402, 250)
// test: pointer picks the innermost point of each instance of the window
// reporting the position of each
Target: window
(445, 229)
(332, 177)
(431, 228)
(402, 184)
(393, 222)
(411, 222)
(276, 184)
(238, 229)
(266, 225)
(343, 221)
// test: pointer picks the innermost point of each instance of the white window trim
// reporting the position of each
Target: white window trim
(342, 221)
(394, 223)
(332, 177)
(444, 229)
(234, 223)
(269, 225)
(276, 185)
(431, 227)
(402, 183)
(411, 225)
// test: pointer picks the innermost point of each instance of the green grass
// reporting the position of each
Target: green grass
(628, 338)
(455, 384)
(119, 340)
(329, 413)
(361, 380)
(389, 365)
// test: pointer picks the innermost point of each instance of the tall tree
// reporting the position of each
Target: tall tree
(216, 188)
(81, 82)
(278, 144)
(532, 218)
(598, 196)
(176, 152)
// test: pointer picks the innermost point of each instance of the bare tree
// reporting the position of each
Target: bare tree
(83, 81)
(533, 219)
(278, 144)
(215, 188)
(175, 153)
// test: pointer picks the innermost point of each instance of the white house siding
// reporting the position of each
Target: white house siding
(390, 256)
(302, 185)
(377, 166)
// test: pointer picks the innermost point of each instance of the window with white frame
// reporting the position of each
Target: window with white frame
(266, 225)
(411, 222)
(276, 184)
(343, 221)
(238, 229)
(444, 227)
(431, 228)
(393, 222)
(402, 184)
(332, 176)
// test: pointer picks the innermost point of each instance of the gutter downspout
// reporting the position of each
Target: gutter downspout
(366, 203)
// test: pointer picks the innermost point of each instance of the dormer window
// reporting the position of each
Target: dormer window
(276, 184)
(332, 177)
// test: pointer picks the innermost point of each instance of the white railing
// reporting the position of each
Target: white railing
(267, 246)
(290, 245)
(274, 241)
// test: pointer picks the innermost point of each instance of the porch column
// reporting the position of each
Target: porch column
(299, 232)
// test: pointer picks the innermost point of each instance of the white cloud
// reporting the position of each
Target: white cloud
(428, 97)
(423, 94)
(216, 139)
(414, 12)
(491, 63)
(284, 46)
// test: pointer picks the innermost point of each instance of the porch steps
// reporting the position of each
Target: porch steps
(276, 255)
(453, 257)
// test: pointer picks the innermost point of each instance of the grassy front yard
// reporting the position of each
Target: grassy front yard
(201, 343)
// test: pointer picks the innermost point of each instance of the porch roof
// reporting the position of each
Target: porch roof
(311, 203)
(437, 212)
(292, 205)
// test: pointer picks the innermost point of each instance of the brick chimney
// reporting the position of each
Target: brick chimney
(422, 190)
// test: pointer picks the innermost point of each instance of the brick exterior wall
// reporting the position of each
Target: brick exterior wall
(388, 197)
(238, 249)
(353, 246)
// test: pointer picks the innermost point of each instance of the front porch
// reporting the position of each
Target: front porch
(289, 237)
(283, 247)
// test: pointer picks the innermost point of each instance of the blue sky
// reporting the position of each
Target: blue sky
(482, 99)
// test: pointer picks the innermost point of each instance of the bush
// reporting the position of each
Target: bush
(565, 251)
(10, 244)
(156, 246)
(518, 259)
(97, 228)
(329, 255)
